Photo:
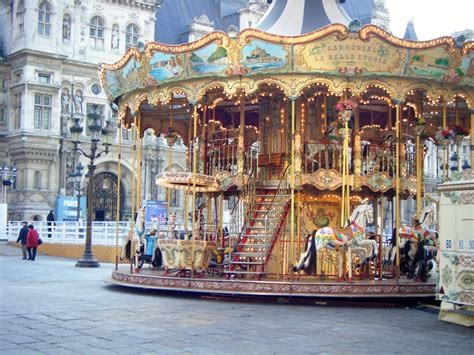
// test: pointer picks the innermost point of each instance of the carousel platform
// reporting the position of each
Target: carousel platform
(304, 288)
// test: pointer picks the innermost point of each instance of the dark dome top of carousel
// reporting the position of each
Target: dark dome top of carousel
(298, 17)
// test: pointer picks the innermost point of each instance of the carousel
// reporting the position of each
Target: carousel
(310, 143)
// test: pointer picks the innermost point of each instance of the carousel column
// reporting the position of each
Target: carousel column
(397, 189)
(193, 232)
(380, 236)
(203, 161)
(139, 162)
(299, 143)
(202, 167)
(134, 183)
(221, 216)
(241, 142)
(345, 198)
(445, 144)
(119, 180)
(418, 176)
(292, 181)
(357, 145)
(188, 166)
(139, 185)
(170, 141)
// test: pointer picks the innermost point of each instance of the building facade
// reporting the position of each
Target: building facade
(48, 76)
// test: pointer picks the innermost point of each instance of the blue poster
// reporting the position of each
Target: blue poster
(66, 208)
(156, 211)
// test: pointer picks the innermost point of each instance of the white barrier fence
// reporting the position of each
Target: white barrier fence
(103, 233)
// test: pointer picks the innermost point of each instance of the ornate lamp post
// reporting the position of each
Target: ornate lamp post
(96, 131)
(8, 177)
(76, 178)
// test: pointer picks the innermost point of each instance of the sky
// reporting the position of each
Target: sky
(432, 18)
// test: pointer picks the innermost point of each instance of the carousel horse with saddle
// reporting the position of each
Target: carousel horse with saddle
(411, 237)
(135, 239)
(349, 237)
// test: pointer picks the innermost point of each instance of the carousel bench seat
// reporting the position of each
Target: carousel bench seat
(178, 254)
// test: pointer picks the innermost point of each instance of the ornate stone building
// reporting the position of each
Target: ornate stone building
(48, 75)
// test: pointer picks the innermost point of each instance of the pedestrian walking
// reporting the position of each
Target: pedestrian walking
(22, 236)
(32, 242)
(50, 218)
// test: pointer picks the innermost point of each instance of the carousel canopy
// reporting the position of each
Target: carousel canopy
(297, 17)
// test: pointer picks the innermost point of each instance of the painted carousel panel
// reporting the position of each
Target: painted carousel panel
(260, 56)
(211, 59)
(350, 56)
(165, 66)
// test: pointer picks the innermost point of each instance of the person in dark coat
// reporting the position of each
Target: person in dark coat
(32, 242)
(50, 218)
(22, 238)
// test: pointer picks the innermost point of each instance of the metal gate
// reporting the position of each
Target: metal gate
(105, 197)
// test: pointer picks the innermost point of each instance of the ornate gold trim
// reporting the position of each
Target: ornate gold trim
(217, 36)
(183, 180)
(246, 35)
(368, 30)
(467, 48)
(104, 67)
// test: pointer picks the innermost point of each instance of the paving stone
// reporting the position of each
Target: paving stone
(6, 345)
(21, 352)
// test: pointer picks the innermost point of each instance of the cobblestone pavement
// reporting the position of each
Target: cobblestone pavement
(49, 306)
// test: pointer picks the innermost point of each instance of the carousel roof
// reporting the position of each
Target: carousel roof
(297, 17)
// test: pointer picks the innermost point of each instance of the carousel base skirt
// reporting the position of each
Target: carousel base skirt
(157, 280)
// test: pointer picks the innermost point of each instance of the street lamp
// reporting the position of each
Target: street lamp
(96, 131)
(76, 178)
(8, 177)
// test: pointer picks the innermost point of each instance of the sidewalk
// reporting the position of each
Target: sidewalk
(49, 306)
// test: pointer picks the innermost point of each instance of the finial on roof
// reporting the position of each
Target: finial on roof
(410, 33)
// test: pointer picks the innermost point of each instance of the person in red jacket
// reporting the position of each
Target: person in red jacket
(32, 242)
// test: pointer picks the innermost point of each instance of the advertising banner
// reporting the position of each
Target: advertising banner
(66, 208)
(156, 211)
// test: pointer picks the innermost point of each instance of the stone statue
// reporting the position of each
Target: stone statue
(115, 38)
(78, 102)
(65, 102)
(67, 27)
(379, 4)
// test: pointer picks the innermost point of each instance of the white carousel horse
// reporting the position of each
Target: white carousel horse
(332, 238)
(198, 222)
(312, 150)
(171, 227)
(413, 234)
(134, 239)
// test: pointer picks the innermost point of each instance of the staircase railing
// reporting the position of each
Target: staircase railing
(279, 192)
(250, 194)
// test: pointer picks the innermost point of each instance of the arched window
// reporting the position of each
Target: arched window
(37, 180)
(20, 17)
(44, 18)
(96, 32)
(131, 36)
